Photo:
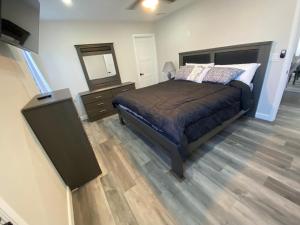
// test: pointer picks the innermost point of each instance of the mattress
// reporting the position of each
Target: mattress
(183, 110)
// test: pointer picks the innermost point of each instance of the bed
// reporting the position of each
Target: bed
(180, 115)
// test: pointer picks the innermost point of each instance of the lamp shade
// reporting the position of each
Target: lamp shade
(169, 67)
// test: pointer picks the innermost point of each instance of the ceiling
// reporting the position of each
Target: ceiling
(105, 10)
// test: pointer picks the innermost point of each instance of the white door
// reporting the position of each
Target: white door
(146, 59)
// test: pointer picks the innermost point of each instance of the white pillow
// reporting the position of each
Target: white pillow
(247, 76)
(203, 74)
(204, 65)
(197, 70)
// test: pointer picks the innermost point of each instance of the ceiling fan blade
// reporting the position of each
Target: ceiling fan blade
(134, 5)
(170, 1)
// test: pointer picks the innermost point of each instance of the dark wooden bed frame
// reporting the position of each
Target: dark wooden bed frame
(247, 53)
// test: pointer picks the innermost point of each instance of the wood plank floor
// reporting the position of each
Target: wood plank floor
(248, 174)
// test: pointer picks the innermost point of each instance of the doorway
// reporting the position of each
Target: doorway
(146, 59)
(294, 75)
(292, 47)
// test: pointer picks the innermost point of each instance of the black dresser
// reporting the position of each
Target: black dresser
(57, 126)
(98, 103)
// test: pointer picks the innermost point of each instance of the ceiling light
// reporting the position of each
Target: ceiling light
(150, 4)
(67, 2)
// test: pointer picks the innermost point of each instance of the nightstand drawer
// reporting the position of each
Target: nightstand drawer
(103, 104)
(96, 97)
(100, 113)
(126, 88)
(100, 116)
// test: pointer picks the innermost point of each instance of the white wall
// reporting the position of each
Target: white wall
(60, 60)
(216, 23)
(29, 182)
(205, 24)
(294, 37)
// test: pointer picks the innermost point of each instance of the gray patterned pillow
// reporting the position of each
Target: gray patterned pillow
(184, 72)
(222, 75)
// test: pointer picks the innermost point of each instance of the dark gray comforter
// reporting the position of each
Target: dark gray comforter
(183, 109)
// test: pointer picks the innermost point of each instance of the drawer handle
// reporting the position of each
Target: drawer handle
(125, 90)
(102, 111)
(99, 104)
(100, 96)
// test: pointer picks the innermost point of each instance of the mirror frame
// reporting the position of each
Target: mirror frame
(95, 49)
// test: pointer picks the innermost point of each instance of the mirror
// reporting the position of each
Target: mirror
(99, 65)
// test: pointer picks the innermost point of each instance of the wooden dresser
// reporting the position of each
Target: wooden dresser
(98, 103)
(57, 126)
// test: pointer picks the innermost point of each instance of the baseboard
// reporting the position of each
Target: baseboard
(263, 116)
(70, 207)
(84, 117)
(9, 215)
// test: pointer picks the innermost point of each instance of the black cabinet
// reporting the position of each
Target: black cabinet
(57, 126)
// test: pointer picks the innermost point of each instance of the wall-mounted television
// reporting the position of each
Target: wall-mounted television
(20, 21)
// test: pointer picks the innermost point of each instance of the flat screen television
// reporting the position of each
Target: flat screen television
(20, 21)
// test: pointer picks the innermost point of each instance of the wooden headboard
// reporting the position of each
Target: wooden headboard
(238, 54)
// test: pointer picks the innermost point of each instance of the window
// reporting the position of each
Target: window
(298, 49)
(36, 73)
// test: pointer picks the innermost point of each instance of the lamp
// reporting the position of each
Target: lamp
(169, 69)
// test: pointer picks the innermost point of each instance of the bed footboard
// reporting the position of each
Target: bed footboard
(155, 137)
(172, 150)
(121, 119)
